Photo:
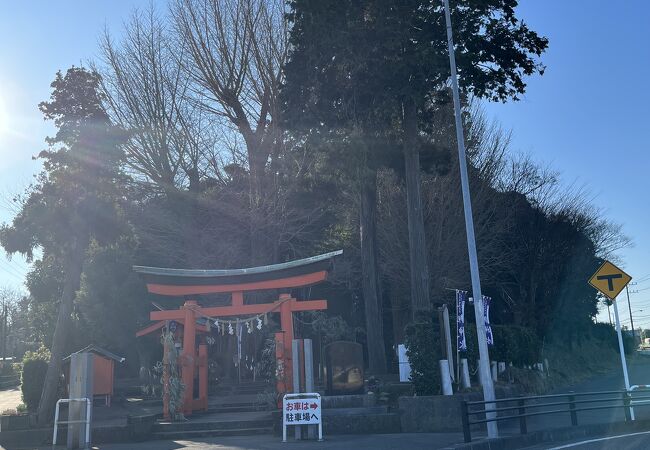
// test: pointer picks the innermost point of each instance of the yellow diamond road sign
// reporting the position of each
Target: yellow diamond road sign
(610, 280)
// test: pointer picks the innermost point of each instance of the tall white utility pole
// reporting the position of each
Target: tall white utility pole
(484, 364)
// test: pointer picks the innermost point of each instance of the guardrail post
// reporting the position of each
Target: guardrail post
(523, 429)
(626, 402)
(572, 408)
(464, 417)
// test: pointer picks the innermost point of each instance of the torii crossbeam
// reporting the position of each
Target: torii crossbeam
(187, 283)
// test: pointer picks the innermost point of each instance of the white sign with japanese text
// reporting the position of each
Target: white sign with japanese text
(301, 409)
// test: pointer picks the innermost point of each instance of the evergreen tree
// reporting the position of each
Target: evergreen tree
(380, 65)
(74, 200)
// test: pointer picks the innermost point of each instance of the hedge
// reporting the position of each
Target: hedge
(33, 378)
(423, 350)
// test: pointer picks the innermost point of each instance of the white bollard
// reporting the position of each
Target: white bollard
(445, 378)
(502, 367)
(493, 368)
(464, 374)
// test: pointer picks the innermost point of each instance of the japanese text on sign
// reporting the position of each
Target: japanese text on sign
(301, 411)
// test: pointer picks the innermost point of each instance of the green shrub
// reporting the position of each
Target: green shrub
(517, 345)
(34, 370)
(423, 350)
(629, 343)
(606, 335)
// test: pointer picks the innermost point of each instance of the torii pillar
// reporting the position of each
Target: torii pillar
(188, 357)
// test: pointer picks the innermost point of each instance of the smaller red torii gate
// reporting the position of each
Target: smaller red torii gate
(187, 283)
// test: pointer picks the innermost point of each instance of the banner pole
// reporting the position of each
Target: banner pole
(457, 346)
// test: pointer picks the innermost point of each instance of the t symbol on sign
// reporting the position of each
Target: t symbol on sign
(609, 278)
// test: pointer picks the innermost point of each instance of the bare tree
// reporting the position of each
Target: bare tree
(170, 142)
(235, 53)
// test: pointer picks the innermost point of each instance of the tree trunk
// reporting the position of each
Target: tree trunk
(417, 243)
(73, 265)
(259, 241)
(374, 320)
(400, 315)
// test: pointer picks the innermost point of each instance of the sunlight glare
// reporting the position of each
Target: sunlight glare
(3, 117)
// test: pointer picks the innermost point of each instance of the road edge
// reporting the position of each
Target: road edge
(557, 435)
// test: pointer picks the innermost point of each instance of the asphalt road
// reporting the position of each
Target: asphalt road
(630, 441)
(415, 441)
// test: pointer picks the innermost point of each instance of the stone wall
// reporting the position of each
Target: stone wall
(440, 413)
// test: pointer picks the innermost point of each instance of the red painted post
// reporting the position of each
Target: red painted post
(189, 341)
(286, 323)
(280, 381)
(203, 376)
(237, 298)
(165, 375)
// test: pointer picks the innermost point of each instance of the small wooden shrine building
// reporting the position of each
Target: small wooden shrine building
(103, 370)
(188, 284)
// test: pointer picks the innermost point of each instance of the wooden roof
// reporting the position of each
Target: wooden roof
(98, 351)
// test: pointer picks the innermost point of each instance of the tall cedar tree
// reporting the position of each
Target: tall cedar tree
(74, 200)
(379, 65)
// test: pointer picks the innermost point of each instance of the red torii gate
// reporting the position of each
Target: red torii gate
(186, 283)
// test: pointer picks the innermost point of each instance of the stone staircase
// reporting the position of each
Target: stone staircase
(248, 387)
(240, 410)
(216, 424)
(233, 410)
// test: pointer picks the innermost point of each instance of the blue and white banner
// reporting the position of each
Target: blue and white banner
(461, 296)
(486, 315)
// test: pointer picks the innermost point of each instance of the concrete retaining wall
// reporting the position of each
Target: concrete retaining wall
(348, 401)
(440, 413)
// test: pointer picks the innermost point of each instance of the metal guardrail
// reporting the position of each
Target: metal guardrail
(572, 405)
(58, 422)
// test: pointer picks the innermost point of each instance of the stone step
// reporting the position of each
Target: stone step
(237, 408)
(225, 390)
(348, 401)
(365, 411)
(247, 391)
(219, 404)
(166, 435)
(256, 384)
(217, 425)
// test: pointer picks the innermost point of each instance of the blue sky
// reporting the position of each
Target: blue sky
(38, 38)
(587, 115)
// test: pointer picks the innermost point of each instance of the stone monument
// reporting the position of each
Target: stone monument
(344, 368)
